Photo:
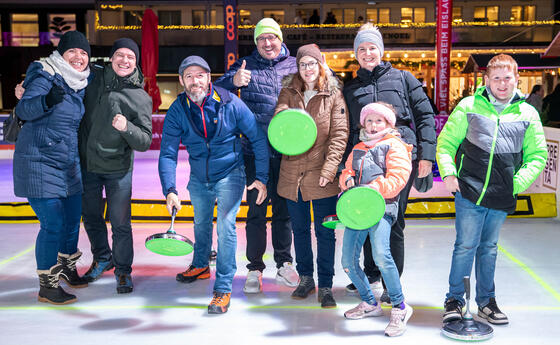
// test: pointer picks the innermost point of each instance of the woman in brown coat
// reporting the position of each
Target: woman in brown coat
(311, 175)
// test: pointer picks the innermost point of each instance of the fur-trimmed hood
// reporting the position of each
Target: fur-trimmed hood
(290, 81)
(327, 108)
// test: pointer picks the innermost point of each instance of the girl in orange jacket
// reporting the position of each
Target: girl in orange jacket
(381, 161)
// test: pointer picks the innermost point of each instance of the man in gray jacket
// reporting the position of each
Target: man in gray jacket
(118, 120)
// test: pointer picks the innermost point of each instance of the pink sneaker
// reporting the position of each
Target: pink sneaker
(362, 310)
(399, 318)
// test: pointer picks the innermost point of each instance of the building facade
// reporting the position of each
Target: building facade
(196, 27)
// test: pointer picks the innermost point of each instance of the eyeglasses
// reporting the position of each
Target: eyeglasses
(309, 65)
(270, 38)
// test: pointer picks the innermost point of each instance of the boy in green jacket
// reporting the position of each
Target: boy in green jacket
(491, 149)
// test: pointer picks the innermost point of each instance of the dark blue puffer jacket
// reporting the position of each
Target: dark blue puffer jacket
(46, 160)
(261, 95)
(210, 159)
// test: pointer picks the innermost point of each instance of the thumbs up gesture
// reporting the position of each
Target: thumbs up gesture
(242, 77)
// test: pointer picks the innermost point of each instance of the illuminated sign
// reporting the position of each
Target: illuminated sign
(230, 32)
(443, 54)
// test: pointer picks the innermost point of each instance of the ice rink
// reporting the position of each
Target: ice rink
(164, 311)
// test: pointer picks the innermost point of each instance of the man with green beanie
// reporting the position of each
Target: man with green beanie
(258, 77)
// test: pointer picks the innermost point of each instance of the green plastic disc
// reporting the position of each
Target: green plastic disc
(360, 208)
(169, 246)
(292, 132)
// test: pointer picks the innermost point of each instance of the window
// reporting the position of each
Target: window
(349, 15)
(212, 17)
(59, 24)
(304, 14)
(522, 13)
(419, 15)
(337, 13)
(343, 15)
(406, 14)
(409, 14)
(378, 15)
(492, 13)
(245, 17)
(132, 18)
(371, 15)
(199, 17)
(486, 14)
(277, 15)
(25, 30)
(457, 14)
(169, 17)
(384, 15)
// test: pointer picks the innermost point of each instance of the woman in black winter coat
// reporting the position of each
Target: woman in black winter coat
(377, 81)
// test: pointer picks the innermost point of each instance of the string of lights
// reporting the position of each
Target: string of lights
(100, 27)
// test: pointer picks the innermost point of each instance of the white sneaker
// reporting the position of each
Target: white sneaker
(253, 284)
(377, 289)
(399, 318)
(362, 310)
(287, 275)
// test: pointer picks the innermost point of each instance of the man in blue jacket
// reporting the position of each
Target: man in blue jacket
(259, 77)
(208, 120)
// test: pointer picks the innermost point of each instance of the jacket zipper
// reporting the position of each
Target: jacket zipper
(489, 169)
(361, 168)
(208, 162)
(205, 136)
(202, 115)
(275, 78)
(460, 164)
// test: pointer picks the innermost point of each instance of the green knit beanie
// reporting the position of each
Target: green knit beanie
(268, 26)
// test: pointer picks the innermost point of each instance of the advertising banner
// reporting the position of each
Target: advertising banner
(230, 32)
(443, 42)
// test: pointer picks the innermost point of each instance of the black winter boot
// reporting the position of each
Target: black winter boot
(50, 291)
(69, 272)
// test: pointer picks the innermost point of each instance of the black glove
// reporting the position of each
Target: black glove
(54, 96)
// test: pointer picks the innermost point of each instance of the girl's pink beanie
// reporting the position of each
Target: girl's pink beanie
(380, 109)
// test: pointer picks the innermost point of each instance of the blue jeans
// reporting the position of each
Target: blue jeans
(228, 193)
(379, 235)
(478, 229)
(60, 225)
(118, 190)
(300, 213)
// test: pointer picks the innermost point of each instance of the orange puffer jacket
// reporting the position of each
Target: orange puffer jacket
(385, 167)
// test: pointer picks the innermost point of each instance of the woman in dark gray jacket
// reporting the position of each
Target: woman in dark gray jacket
(46, 162)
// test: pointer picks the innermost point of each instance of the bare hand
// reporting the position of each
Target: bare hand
(424, 168)
(242, 77)
(451, 183)
(262, 191)
(19, 90)
(120, 122)
(323, 181)
(326, 67)
(172, 200)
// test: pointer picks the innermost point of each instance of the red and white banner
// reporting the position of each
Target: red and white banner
(443, 39)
